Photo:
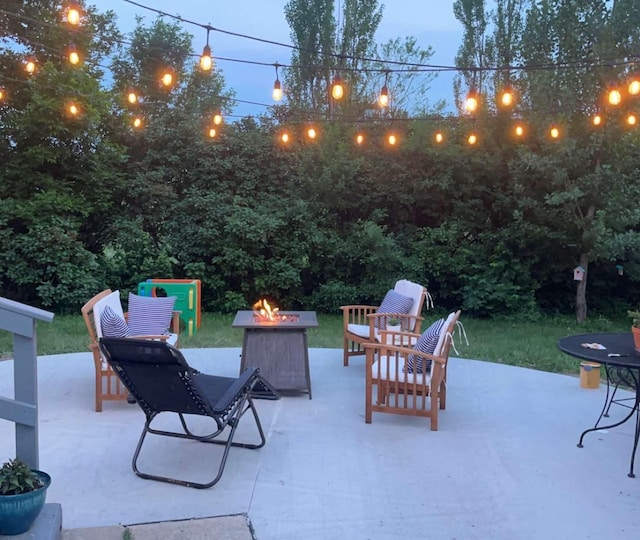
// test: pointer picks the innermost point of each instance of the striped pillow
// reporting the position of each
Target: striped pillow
(112, 324)
(426, 343)
(393, 303)
(149, 315)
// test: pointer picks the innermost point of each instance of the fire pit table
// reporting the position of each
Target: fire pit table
(278, 347)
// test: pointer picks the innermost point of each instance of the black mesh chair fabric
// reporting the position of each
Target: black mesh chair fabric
(161, 381)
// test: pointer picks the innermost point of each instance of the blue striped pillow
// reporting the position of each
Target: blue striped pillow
(393, 303)
(149, 315)
(112, 325)
(426, 343)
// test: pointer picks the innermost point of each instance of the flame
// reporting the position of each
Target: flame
(265, 312)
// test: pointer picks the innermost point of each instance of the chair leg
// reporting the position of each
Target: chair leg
(443, 395)
(232, 422)
(345, 353)
(434, 409)
(367, 405)
(98, 392)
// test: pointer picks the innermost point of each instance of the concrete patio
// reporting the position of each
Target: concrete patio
(503, 465)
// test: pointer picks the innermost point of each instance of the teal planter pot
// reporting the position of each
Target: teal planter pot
(18, 512)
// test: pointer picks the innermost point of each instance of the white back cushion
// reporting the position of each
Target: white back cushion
(412, 290)
(113, 301)
(443, 333)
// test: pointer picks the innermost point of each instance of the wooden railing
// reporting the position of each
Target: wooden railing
(20, 320)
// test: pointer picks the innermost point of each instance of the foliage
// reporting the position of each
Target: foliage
(635, 315)
(16, 477)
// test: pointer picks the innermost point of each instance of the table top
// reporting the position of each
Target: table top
(306, 319)
(621, 344)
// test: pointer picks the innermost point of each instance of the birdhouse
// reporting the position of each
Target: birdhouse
(578, 273)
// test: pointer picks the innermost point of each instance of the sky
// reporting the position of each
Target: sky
(431, 22)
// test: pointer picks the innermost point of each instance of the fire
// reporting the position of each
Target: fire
(265, 312)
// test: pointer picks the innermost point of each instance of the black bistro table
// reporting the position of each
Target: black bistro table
(621, 362)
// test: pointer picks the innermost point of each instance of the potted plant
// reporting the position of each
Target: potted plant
(22, 495)
(393, 324)
(635, 327)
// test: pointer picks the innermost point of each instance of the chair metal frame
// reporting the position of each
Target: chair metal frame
(161, 381)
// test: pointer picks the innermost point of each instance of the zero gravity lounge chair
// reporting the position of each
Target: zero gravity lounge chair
(159, 378)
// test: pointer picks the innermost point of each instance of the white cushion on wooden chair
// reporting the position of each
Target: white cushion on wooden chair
(362, 330)
(113, 301)
(443, 334)
(412, 290)
(388, 371)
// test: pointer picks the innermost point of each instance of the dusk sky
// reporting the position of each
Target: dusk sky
(430, 21)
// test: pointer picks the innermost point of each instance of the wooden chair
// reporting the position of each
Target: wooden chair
(360, 322)
(400, 392)
(107, 384)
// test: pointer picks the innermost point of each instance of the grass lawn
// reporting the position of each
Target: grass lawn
(507, 341)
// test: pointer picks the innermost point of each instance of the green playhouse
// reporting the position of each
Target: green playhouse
(188, 299)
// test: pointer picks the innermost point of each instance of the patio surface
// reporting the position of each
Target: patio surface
(503, 465)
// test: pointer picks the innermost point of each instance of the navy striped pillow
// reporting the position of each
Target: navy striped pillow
(112, 325)
(149, 315)
(426, 343)
(393, 303)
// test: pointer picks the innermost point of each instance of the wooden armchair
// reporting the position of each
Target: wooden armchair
(362, 324)
(108, 385)
(398, 390)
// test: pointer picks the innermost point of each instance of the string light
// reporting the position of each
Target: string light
(383, 98)
(614, 97)
(634, 87)
(217, 119)
(3, 94)
(596, 120)
(132, 96)
(554, 132)
(472, 139)
(632, 119)
(206, 62)
(519, 130)
(73, 14)
(284, 137)
(72, 109)
(392, 139)
(471, 102)
(507, 98)
(74, 57)
(167, 78)
(439, 137)
(277, 87)
(337, 88)
(311, 133)
(212, 133)
(137, 122)
(30, 66)
(359, 138)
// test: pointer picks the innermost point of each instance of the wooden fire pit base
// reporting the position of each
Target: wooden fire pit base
(279, 349)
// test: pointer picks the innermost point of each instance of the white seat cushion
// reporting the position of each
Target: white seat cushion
(386, 371)
(362, 330)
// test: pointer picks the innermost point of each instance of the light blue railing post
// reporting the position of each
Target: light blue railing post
(20, 320)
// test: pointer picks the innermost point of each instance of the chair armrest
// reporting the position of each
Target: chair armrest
(161, 337)
(356, 314)
(407, 322)
(404, 351)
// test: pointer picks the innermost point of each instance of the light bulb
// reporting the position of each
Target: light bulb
(30, 67)
(132, 97)
(167, 79)
(473, 139)
(383, 98)
(137, 122)
(284, 137)
(277, 91)
(337, 90)
(73, 109)
(634, 87)
(73, 15)
(632, 119)
(471, 103)
(392, 139)
(217, 119)
(615, 97)
(439, 137)
(596, 120)
(554, 132)
(359, 138)
(506, 99)
(206, 63)
(3, 94)
(212, 132)
(311, 133)
(74, 57)
(519, 131)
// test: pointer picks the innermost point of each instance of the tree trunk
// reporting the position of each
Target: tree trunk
(581, 290)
